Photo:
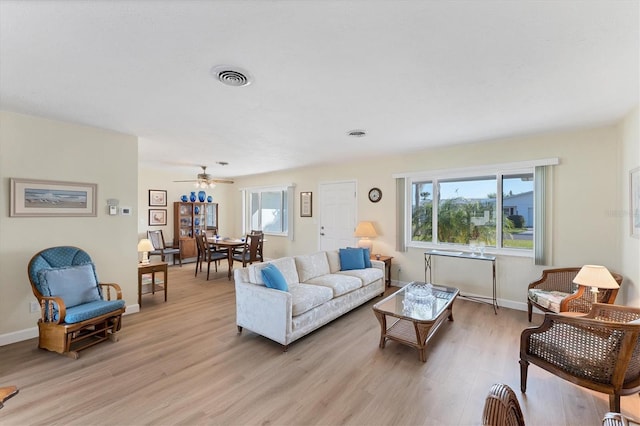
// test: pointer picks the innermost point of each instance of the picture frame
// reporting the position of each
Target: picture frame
(306, 204)
(50, 198)
(157, 198)
(157, 217)
(634, 201)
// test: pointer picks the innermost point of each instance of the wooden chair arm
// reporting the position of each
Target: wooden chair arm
(46, 309)
(113, 286)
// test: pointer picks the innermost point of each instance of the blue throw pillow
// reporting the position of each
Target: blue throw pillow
(366, 254)
(75, 284)
(273, 278)
(351, 258)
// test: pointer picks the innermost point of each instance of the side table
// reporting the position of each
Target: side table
(387, 267)
(152, 268)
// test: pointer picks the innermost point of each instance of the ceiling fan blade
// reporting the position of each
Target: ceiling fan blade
(192, 180)
(221, 180)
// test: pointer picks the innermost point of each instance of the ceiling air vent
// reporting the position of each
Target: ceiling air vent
(357, 133)
(231, 76)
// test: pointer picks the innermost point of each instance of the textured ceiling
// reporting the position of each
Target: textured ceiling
(413, 74)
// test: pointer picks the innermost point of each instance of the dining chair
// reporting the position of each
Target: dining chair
(207, 254)
(249, 253)
(161, 249)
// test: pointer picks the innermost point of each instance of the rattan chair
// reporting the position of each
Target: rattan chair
(501, 408)
(617, 419)
(599, 351)
(6, 393)
(571, 297)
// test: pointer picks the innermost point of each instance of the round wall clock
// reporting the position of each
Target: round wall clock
(375, 195)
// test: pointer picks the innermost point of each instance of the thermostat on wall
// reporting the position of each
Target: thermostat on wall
(125, 211)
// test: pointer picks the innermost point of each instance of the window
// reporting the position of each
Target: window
(268, 209)
(494, 207)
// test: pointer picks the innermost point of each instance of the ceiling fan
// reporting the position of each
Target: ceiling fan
(205, 180)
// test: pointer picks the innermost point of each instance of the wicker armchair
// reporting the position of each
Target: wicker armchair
(501, 408)
(599, 351)
(617, 419)
(556, 292)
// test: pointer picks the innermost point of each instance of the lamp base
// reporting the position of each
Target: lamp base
(366, 243)
(145, 258)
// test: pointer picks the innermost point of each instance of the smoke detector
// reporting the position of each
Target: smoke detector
(231, 76)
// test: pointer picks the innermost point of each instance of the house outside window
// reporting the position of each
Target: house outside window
(464, 212)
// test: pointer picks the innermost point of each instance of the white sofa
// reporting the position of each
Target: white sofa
(318, 293)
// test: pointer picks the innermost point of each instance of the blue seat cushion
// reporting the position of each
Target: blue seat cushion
(351, 258)
(273, 278)
(90, 310)
(74, 284)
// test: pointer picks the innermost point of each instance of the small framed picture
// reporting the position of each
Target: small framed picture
(157, 217)
(306, 204)
(634, 202)
(157, 197)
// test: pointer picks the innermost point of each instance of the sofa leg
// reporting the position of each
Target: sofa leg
(239, 329)
(285, 348)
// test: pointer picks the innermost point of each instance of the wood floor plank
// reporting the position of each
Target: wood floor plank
(182, 362)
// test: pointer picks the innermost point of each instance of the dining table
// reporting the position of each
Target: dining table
(229, 244)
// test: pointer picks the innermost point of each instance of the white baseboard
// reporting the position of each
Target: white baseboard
(30, 333)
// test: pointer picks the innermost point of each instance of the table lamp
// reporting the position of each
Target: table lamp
(145, 247)
(595, 276)
(365, 231)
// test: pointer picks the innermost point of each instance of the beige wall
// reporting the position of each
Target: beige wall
(37, 148)
(630, 247)
(586, 203)
(584, 198)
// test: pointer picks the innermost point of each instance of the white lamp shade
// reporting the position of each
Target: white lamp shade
(365, 230)
(596, 276)
(145, 245)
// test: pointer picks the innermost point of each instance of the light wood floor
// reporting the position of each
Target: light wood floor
(182, 362)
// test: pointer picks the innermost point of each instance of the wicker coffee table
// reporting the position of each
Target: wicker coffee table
(413, 328)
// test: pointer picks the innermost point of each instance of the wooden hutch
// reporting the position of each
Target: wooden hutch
(190, 220)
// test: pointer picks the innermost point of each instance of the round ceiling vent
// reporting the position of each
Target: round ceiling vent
(231, 76)
(357, 133)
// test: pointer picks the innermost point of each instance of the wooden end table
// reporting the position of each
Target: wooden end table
(152, 268)
(387, 266)
(413, 328)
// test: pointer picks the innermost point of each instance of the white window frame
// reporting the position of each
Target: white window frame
(287, 189)
(497, 170)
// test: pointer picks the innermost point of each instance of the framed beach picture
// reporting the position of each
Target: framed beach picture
(41, 198)
(634, 202)
(157, 198)
(157, 217)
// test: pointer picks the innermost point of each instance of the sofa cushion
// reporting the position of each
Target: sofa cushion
(351, 259)
(305, 297)
(312, 265)
(367, 276)
(333, 257)
(273, 278)
(74, 284)
(547, 299)
(286, 265)
(338, 283)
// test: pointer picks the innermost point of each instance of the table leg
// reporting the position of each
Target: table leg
(230, 257)
(382, 319)
(139, 289)
(166, 281)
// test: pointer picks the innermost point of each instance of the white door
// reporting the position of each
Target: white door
(337, 215)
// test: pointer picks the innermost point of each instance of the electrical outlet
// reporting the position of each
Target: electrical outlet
(34, 307)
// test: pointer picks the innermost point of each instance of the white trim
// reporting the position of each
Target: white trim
(18, 336)
(478, 170)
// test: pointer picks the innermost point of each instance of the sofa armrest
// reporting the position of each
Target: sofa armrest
(263, 310)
